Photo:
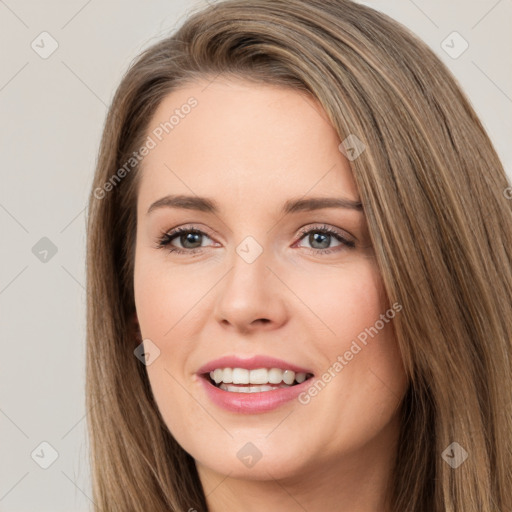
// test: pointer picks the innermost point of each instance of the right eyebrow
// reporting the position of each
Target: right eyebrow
(202, 204)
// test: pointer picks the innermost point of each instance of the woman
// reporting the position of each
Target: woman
(338, 335)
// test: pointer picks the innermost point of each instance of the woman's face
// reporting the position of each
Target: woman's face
(260, 277)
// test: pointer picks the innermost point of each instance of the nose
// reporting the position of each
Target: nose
(251, 297)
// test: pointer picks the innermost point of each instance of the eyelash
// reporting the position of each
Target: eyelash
(165, 239)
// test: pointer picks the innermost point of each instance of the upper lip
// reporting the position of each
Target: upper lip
(251, 363)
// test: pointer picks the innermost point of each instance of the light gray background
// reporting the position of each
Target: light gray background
(52, 112)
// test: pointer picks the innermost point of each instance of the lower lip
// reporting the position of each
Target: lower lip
(253, 403)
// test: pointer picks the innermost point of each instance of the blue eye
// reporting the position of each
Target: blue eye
(191, 240)
(322, 238)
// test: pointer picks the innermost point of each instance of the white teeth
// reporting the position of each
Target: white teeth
(240, 376)
(250, 389)
(227, 376)
(288, 377)
(300, 377)
(275, 376)
(259, 376)
(222, 375)
(217, 375)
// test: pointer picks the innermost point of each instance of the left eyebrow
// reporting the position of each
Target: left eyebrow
(317, 203)
(204, 204)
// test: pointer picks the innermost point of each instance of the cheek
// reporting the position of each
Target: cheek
(343, 301)
(363, 321)
(363, 377)
(165, 296)
(168, 310)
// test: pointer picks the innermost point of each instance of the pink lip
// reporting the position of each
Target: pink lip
(251, 363)
(252, 403)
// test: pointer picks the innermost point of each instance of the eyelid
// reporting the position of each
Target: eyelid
(186, 228)
(320, 226)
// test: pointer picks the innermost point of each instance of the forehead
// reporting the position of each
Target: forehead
(245, 143)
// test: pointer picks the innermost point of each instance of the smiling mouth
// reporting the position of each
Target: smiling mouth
(241, 380)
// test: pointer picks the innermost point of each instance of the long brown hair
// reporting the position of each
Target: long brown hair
(432, 188)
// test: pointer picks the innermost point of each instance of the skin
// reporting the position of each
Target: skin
(250, 148)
